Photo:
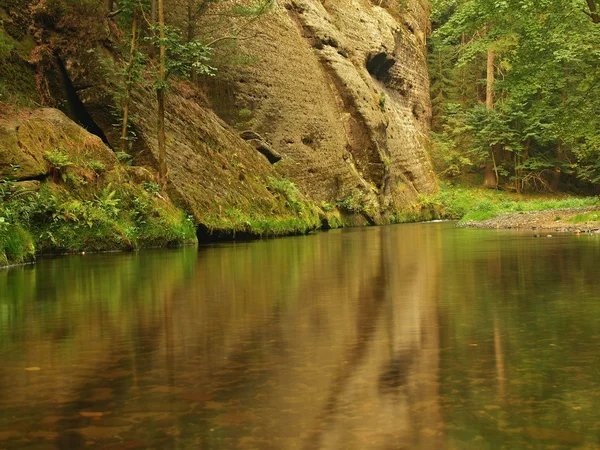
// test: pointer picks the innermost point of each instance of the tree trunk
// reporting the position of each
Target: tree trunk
(191, 33)
(490, 175)
(555, 177)
(489, 93)
(128, 84)
(593, 11)
(154, 11)
(109, 4)
(160, 93)
(560, 152)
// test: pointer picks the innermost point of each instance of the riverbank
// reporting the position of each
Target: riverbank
(484, 208)
(577, 220)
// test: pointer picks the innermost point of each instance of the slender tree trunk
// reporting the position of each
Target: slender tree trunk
(489, 93)
(191, 33)
(490, 176)
(560, 153)
(128, 84)
(154, 11)
(109, 4)
(160, 93)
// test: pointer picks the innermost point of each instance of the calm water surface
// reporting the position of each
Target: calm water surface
(402, 337)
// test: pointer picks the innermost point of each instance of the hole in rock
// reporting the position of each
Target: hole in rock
(379, 66)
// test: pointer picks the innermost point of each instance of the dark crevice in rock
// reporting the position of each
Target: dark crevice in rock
(41, 177)
(257, 141)
(325, 226)
(211, 236)
(208, 236)
(76, 108)
(379, 65)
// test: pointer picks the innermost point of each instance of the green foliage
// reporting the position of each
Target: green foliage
(16, 245)
(124, 157)
(95, 165)
(482, 204)
(382, 99)
(59, 162)
(114, 218)
(593, 216)
(288, 191)
(6, 43)
(545, 118)
(354, 202)
(58, 159)
(246, 120)
(151, 187)
(182, 57)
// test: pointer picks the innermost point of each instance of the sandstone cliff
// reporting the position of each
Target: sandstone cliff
(336, 101)
(341, 89)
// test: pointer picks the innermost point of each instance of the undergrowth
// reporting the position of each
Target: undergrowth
(475, 204)
(60, 220)
(592, 216)
(16, 245)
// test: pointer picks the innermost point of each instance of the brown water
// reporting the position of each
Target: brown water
(402, 337)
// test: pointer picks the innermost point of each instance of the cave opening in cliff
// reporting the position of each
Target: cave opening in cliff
(379, 66)
(75, 108)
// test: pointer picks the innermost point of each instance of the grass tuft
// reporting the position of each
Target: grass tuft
(468, 204)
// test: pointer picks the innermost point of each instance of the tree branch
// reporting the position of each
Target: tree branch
(593, 13)
(114, 13)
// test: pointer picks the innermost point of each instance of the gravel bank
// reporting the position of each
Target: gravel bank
(551, 220)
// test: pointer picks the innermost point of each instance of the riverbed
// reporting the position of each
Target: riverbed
(419, 336)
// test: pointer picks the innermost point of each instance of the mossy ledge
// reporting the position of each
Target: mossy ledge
(63, 191)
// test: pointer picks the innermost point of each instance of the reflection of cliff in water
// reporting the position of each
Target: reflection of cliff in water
(319, 342)
(336, 347)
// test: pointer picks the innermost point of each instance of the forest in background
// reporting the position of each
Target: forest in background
(516, 93)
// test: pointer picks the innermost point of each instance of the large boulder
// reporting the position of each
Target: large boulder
(29, 139)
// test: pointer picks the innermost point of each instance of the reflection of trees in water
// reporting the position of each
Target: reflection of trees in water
(96, 333)
(520, 328)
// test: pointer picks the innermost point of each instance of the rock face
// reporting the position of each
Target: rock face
(213, 173)
(341, 90)
(337, 101)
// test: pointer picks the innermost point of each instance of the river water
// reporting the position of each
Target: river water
(418, 336)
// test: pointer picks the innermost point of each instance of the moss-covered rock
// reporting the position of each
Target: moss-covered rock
(36, 143)
(83, 199)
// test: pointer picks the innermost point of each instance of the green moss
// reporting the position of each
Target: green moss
(17, 78)
(291, 213)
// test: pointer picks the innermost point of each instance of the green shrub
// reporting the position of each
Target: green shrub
(16, 245)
